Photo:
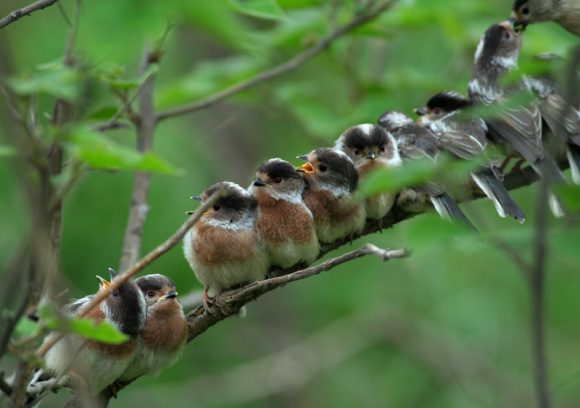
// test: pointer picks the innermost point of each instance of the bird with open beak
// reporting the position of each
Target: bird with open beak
(371, 147)
(285, 225)
(94, 365)
(566, 13)
(464, 137)
(223, 248)
(330, 195)
(163, 338)
(416, 142)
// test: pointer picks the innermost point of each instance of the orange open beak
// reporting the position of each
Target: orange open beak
(306, 168)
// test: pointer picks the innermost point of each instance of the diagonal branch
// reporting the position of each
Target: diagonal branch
(282, 68)
(229, 303)
(25, 11)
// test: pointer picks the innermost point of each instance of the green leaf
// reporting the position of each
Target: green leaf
(104, 113)
(97, 151)
(62, 83)
(413, 173)
(103, 331)
(25, 326)
(267, 9)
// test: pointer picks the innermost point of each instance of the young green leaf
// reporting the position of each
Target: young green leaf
(266, 9)
(62, 83)
(97, 151)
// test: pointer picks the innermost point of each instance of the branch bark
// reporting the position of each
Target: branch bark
(282, 68)
(139, 208)
(25, 11)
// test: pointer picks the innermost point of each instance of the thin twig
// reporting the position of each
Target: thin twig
(280, 69)
(25, 11)
(150, 257)
(112, 123)
(139, 208)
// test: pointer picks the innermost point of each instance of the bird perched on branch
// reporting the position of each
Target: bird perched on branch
(564, 12)
(332, 180)
(222, 247)
(415, 142)
(96, 365)
(371, 147)
(518, 128)
(285, 225)
(464, 137)
(561, 120)
(163, 338)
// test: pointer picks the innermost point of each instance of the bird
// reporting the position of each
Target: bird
(416, 142)
(518, 128)
(331, 180)
(93, 364)
(285, 225)
(223, 248)
(566, 13)
(464, 137)
(163, 338)
(371, 147)
(560, 119)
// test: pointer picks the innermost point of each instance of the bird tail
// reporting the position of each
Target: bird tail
(502, 200)
(573, 154)
(447, 208)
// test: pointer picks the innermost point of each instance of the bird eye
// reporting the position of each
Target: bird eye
(506, 35)
(151, 293)
(437, 111)
(278, 180)
(323, 167)
(116, 293)
(382, 148)
(216, 207)
(356, 152)
(526, 10)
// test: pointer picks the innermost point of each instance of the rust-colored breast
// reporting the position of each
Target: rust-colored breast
(213, 244)
(285, 221)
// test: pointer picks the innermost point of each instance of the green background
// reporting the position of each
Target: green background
(447, 327)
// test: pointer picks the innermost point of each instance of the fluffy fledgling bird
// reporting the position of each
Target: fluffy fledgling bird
(97, 365)
(464, 137)
(332, 180)
(163, 338)
(222, 247)
(562, 120)
(519, 128)
(285, 225)
(414, 142)
(371, 147)
(566, 13)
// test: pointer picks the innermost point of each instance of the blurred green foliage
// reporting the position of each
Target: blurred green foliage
(447, 327)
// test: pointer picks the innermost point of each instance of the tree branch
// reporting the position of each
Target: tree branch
(282, 68)
(229, 303)
(139, 208)
(18, 14)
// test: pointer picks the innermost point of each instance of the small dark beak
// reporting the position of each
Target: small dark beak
(197, 198)
(303, 157)
(259, 182)
(371, 155)
(512, 20)
(419, 111)
(171, 295)
(113, 274)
